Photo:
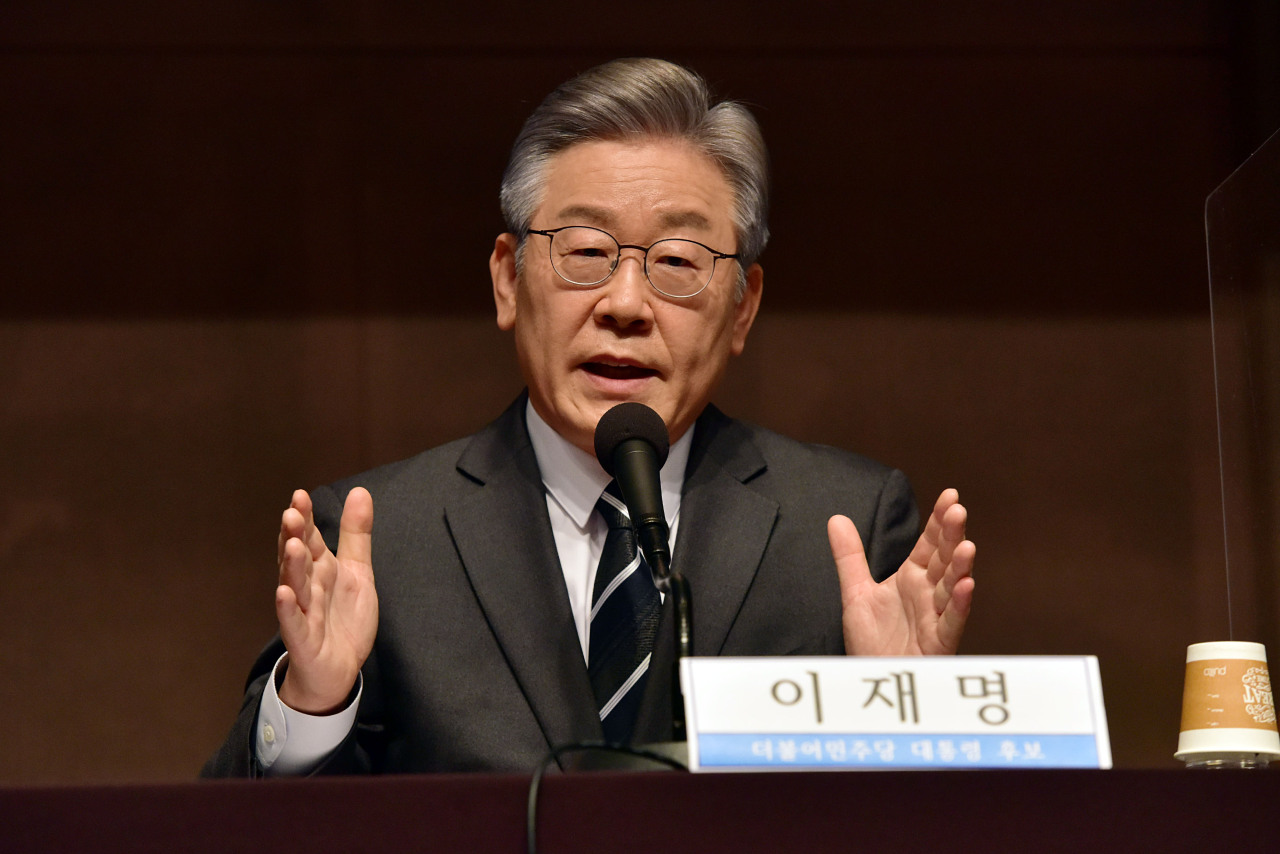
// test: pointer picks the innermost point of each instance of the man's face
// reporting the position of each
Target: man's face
(584, 350)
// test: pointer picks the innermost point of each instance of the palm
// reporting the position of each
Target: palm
(922, 608)
(342, 608)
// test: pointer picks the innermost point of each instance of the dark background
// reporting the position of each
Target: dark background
(243, 248)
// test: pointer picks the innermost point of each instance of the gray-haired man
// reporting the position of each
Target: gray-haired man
(636, 212)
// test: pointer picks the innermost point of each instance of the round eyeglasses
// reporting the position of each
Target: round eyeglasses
(587, 257)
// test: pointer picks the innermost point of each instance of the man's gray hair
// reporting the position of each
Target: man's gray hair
(634, 99)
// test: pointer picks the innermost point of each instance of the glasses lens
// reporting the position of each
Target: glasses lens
(584, 256)
(680, 268)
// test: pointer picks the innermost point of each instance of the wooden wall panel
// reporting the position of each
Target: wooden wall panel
(147, 464)
(151, 462)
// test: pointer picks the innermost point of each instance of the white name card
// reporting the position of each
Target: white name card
(777, 714)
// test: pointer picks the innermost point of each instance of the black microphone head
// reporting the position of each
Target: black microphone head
(630, 420)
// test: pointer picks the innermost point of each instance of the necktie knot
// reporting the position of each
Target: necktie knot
(612, 509)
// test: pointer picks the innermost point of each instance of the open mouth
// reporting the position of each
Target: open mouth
(618, 372)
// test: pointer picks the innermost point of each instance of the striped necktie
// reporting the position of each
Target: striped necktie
(624, 618)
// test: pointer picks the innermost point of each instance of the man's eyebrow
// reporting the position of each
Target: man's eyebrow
(685, 219)
(593, 216)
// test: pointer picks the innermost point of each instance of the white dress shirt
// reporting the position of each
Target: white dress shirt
(292, 742)
(574, 480)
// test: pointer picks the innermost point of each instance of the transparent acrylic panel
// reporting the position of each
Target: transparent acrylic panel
(1242, 223)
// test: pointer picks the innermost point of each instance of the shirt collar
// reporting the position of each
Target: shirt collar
(575, 479)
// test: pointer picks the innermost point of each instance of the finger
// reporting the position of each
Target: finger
(959, 568)
(947, 499)
(293, 622)
(293, 521)
(925, 548)
(295, 571)
(301, 500)
(951, 533)
(292, 527)
(952, 621)
(850, 558)
(355, 539)
(954, 520)
(311, 535)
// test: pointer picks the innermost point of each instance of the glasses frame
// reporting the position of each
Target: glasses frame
(551, 233)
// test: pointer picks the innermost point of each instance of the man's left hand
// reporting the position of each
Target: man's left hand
(919, 610)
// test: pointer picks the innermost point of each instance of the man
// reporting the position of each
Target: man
(636, 212)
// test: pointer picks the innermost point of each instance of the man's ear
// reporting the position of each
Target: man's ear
(502, 268)
(744, 313)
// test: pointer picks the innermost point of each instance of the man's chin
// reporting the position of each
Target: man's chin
(577, 421)
(584, 427)
(675, 431)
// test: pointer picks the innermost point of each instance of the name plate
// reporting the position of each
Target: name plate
(836, 713)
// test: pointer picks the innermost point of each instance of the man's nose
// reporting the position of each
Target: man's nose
(625, 297)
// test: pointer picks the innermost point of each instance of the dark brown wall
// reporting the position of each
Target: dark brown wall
(242, 249)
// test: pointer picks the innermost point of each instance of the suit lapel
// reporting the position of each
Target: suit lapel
(505, 543)
(724, 529)
(724, 526)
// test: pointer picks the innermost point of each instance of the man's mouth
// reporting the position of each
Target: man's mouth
(618, 372)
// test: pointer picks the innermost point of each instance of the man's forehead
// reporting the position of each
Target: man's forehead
(605, 218)
(671, 183)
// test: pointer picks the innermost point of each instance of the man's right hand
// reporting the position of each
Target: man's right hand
(326, 604)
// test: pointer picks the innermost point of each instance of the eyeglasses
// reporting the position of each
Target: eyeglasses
(587, 257)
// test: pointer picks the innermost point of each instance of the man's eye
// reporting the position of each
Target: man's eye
(674, 261)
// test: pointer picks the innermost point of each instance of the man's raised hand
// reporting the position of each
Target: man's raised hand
(326, 603)
(919, 610)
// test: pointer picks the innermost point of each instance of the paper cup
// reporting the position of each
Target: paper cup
(1228, 715)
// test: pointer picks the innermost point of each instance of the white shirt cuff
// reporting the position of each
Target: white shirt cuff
(291, 742)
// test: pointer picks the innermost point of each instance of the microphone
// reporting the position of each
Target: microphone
(632, 444)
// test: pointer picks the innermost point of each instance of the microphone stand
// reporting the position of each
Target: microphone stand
(632, 461)
(676, 586)
(682, 602)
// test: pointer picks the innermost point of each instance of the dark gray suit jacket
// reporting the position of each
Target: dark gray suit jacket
(477, 665)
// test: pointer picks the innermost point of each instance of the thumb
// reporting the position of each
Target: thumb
(851, 560)
(355, 538)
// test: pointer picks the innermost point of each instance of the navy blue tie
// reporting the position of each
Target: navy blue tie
(625, 606)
